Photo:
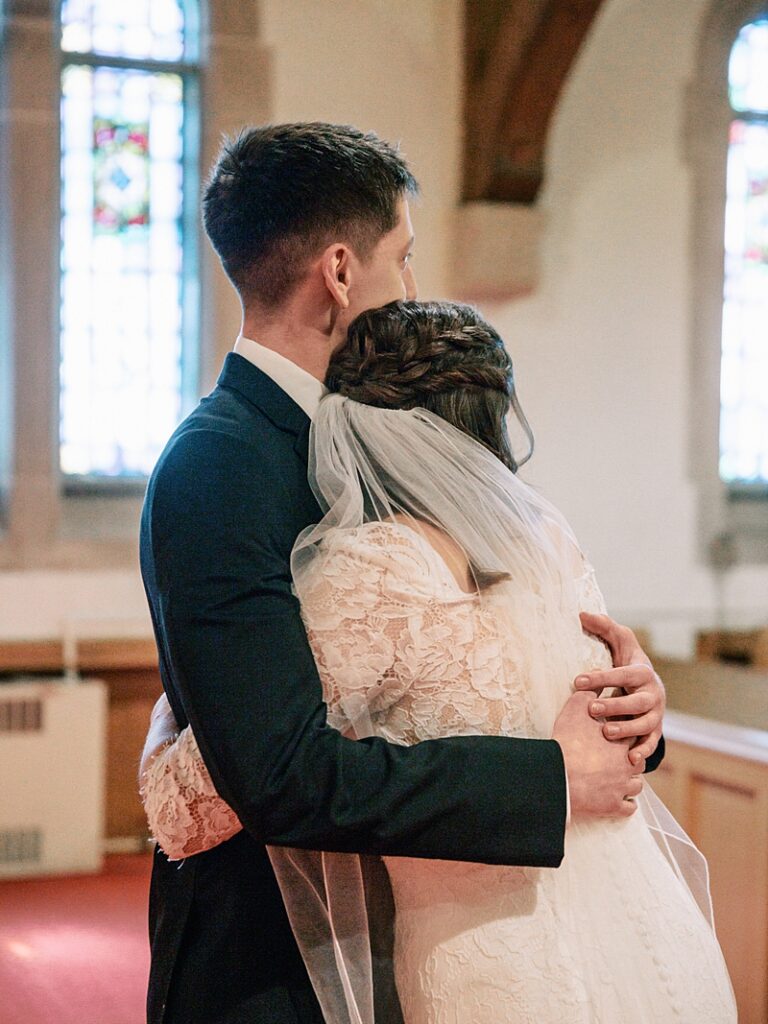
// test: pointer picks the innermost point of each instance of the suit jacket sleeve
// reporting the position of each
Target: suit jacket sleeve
(217, 542)
(653, 762)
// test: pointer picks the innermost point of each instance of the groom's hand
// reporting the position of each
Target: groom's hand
(637, 712)
(601, 781)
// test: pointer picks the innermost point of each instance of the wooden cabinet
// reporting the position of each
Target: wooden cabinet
(714, 779)
(735, 646)
(129, 668)
(132, 694)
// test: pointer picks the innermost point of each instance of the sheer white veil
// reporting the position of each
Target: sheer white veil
(371, 465)
(368, 465)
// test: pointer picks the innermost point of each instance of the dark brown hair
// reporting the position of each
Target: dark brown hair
(440, 356)
(279, 194)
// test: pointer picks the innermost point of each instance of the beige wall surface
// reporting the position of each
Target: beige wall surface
(393, 66)
(601, 348)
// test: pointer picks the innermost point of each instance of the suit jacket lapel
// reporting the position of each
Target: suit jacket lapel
(301, 444)
(261, 391)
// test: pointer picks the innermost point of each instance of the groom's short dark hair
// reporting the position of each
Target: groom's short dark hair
(279, 193)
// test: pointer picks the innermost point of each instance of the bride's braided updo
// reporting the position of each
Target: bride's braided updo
(440, 356)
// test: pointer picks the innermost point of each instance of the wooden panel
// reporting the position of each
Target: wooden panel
(760, 649)
(96, 655)
(722, 802)
(669, 782)
(132, 693)
(517, 57)
(737, 646)
(519, 166)
(716, 690)
(737, 874)
(31, 656)
(498, 35)
(93, 655)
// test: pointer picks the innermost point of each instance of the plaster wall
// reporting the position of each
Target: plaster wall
(603, 346)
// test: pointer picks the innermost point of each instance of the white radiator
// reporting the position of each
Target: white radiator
(52, 771)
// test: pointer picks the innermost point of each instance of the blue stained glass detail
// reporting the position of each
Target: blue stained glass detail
(121, 178)
(121, 261)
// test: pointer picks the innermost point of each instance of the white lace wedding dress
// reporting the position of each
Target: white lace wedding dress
(611, 937)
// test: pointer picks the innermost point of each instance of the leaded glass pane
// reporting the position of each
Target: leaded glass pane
(139, 29)
(121, 338)
(748, 69)
(744, 366)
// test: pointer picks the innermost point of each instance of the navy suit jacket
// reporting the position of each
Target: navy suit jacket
(223, 507)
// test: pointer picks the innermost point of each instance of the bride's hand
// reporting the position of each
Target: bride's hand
(163, 729)
(640, 708)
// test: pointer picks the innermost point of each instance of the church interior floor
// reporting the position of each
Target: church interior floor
(74, 950)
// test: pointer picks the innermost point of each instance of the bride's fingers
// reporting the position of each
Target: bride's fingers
(630, 677)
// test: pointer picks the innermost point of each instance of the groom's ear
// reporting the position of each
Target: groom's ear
(335, 264)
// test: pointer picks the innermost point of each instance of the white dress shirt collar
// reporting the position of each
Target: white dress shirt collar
(298, 384)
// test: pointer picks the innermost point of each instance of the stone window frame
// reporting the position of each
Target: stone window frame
(43, 525)
(732, 522)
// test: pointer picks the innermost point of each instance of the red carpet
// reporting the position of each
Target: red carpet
(75, 950)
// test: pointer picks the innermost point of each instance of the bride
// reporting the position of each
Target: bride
(441, 596)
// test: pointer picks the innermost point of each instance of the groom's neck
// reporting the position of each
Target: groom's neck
(296, 333)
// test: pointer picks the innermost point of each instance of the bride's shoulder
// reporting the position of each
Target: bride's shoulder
(382, 542)
(413, 554)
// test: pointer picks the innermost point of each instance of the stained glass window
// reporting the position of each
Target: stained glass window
(744, 362)
(127, 156)
(144, 29)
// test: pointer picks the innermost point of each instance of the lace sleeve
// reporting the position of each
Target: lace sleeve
(185, 813)
(596, 655)
(356, 609)
(398, 643)
(590, 596)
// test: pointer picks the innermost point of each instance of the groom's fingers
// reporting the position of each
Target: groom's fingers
(638, 703)
(620, 639)
(643, 725)
(623, 644)
(600, 625)
(603, 627)
(631, 677)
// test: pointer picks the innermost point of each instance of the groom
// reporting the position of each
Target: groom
(311, 224)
